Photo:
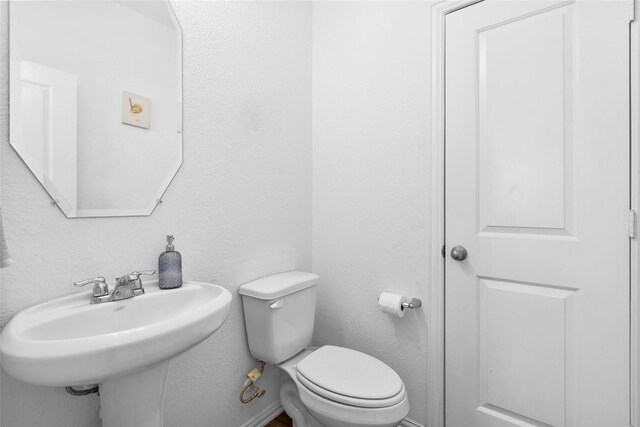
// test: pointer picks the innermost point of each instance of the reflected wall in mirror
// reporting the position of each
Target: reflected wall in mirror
(96, 101)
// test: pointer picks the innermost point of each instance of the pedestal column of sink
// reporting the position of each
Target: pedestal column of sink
(134, 400)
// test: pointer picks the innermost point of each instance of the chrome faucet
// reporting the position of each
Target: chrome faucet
(127, 286)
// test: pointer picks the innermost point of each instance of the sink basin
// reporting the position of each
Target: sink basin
(67, 341)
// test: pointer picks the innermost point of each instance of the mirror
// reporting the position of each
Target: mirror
(96, 101)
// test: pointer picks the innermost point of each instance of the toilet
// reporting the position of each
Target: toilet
(328, 386)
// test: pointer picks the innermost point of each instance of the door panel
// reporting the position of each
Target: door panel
(516, 372)
(522, 151)
(537, 191)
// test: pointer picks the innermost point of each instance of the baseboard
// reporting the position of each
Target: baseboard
(264, 416)
(270, 412)
(409, 423)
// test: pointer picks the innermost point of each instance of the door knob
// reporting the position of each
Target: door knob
(459, 253)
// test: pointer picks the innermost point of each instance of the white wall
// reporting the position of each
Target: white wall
(240, 207)
(371, 186)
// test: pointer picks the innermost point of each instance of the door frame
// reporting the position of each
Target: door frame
(436, 292)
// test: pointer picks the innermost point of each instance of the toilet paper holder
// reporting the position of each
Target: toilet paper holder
(414, 303)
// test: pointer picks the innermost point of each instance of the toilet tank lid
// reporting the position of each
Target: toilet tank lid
(279, 285)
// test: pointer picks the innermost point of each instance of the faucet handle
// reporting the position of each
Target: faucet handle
(100, 287)
(137, 287)
(137, 275)
(144, 273)
(89, 281)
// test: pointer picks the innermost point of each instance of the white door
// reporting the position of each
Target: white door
(537, 192)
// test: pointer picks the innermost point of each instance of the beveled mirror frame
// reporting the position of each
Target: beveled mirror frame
(156, 188)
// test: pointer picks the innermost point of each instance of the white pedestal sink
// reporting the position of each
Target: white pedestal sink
(124, 346)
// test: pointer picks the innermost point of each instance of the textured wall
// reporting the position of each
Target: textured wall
(370, 179)
(240, 207)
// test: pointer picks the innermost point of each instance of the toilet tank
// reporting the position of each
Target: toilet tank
(279, 312)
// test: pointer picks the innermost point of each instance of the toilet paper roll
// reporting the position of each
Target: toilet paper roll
(392, 304)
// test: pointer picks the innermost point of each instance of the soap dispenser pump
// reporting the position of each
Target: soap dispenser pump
(170, 267)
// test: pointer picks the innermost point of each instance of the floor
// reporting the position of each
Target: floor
(281, 420)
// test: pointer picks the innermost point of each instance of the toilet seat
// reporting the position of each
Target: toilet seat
(350, 377)
(351, 401)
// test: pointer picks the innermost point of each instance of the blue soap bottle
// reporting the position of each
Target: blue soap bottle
(170, 267)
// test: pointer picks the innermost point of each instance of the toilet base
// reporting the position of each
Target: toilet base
(294, 407)
(303, 416)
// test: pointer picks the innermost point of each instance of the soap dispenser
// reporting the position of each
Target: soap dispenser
(170, 267)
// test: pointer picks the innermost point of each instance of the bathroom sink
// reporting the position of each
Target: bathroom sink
(67, 341)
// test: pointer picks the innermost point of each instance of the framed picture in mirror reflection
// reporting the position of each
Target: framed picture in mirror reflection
(136, 110)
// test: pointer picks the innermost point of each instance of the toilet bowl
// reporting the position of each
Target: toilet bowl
(355, 390)
(328, 386)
